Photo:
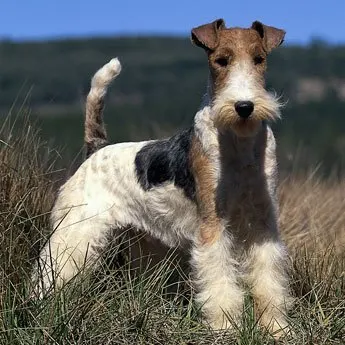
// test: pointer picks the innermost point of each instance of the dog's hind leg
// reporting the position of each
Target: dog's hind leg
(75, 244)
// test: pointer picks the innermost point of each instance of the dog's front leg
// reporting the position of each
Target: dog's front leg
(215, 278)
(267, 274)
(267, 255)
(213, 263)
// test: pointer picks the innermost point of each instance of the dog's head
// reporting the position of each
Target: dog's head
(237, 63)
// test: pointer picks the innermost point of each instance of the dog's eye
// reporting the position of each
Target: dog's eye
(222, 61)
(258, 59)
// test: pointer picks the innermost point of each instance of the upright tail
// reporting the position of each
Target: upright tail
(95, 133)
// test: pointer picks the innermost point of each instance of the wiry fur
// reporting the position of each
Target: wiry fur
(95, 134)
(224, 210)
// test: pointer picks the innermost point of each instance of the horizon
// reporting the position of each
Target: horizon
(38, 20)
(52, 39)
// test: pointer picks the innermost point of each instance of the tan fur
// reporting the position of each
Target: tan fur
(206, 185)
(236, 45)
(93, 122)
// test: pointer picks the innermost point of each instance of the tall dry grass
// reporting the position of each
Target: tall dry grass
(26, 196)
(312, 213)
(115, 308)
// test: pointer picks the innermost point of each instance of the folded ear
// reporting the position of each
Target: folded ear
(206, 36)
(271, 36)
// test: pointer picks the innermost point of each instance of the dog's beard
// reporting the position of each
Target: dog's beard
(266, 108)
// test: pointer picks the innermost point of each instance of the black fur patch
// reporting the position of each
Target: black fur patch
(167, 160)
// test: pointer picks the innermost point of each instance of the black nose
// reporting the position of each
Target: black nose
(244, 108)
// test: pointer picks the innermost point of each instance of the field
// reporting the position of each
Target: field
(114, 306)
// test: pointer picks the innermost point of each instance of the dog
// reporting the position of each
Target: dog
(209, 190)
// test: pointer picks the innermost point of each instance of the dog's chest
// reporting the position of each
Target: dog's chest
(242, 186)
(241, 190)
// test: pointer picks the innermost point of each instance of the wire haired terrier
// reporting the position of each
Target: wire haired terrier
(210, 189)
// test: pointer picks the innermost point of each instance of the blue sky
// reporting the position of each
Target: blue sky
(40, 19)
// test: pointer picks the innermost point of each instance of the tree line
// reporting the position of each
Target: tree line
(161, 86)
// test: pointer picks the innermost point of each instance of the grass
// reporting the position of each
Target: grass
(114, 306)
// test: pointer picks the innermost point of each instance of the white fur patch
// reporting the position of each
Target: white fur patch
(241, 84)
(104, 76)
(105, 194)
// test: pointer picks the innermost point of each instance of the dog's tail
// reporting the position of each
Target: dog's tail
(95, 133)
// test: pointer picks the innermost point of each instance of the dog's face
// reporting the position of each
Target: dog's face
(237, 62)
